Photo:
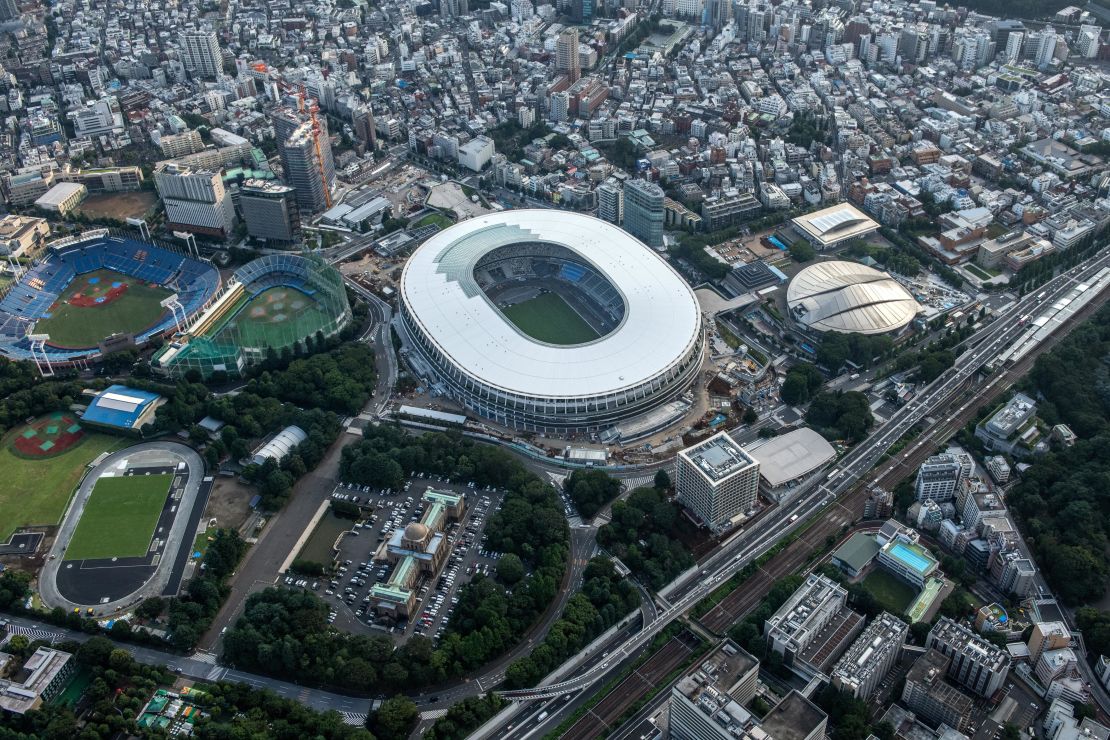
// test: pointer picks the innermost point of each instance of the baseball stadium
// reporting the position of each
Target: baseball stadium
(548, 321)
(269, 304)
(99, 287)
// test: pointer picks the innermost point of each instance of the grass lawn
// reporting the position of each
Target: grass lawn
(980, 272)
(119, 519)
(77, 326)
(278, 316)
(892, 593)
(434, 218)
(548, 318)
(37, 491)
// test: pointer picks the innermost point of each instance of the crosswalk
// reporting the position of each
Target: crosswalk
(32, 634)
(203, 656)
(354, 719)
(433, 714)
(643, 481)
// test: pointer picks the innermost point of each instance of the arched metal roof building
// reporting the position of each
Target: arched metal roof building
(499, 372)
(849, 297)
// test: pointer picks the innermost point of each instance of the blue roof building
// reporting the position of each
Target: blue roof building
(119, 408)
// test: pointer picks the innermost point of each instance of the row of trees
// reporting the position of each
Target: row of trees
(604, 599)
(1063, 500)
(27, 394)
(640, 534)
(841, 415)
(591, 490)
(192, 613)
(801, 383)
(861, 349)
(120, 687)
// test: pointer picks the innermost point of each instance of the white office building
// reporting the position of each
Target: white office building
(717, 481)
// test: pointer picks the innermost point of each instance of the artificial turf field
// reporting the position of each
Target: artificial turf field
(120, 517)
(136, 309)
(549, 318)
(892, 593)
(35, 491)
(278, 316)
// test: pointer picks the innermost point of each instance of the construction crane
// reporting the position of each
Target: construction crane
(313, 111)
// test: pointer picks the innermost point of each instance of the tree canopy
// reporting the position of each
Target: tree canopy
(841, 415)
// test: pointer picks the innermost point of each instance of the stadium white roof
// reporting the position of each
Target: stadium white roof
(835, 223)
(661, 321)
(849, 297)
(791, 456)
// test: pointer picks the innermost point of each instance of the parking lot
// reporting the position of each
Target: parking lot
(362, 555)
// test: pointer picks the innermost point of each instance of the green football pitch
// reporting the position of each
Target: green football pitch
(136, 309)
(550, 319)
(120, 517)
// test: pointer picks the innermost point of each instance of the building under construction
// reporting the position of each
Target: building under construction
(306, 157)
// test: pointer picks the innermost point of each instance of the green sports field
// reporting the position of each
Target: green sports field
(36, 491)
(548, 318)
(892, 593)
(120, 517)
(84, 326)
(276, 317)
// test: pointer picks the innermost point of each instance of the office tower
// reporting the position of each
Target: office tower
(566, 54)
(582, 11)
(1088, 41)
(610, 202)
(643, 211)
(709, 701)
(270, 211)
(200, 53)
(975, 663)
(195, 200)
(871, 656)
(716, 479)
(927, 695)
(718, 12)
(306, 158)
(1014, 41)
(938, 478)
(365, 128)
(559, 106)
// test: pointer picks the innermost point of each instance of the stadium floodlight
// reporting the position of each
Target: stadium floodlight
(38, 344)
(190, 242)
(142, 225)
(180, 319)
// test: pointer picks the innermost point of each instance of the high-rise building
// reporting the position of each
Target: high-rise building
(200, 53)
(195, 200)
(1088, 41)
(610, 202)
(644, 211)
(1014, 41)
(1047, 636)
(180, 145)
(926, 694)
(9, 9)
(566, 53)
(938, 478)
(306, 158)
(709, 702)
(871, 656)
(453, 8)
(270, 211)
(975, 663)
(716, 480)
(804, 616)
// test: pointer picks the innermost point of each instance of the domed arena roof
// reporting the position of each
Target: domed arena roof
(849, 297)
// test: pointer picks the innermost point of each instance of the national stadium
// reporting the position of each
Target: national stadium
(269, 305)
(96, 289)
(549, 321)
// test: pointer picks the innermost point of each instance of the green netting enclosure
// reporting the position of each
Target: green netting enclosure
(272, 303)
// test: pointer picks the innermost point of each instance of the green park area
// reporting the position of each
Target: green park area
(549, 318)
(120, 517)
(892, 593)
(34, 490)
